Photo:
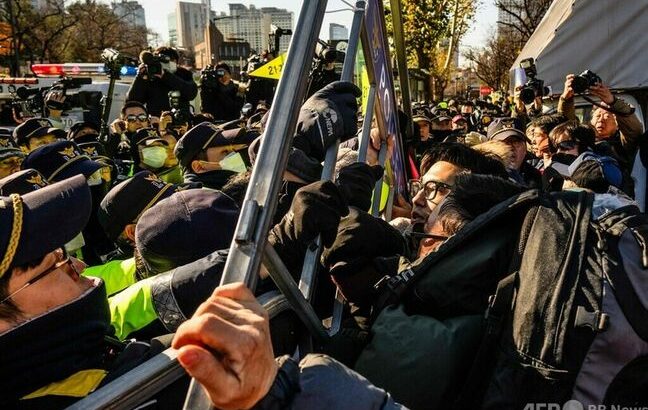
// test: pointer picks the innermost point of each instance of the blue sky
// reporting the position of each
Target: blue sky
(157, 11)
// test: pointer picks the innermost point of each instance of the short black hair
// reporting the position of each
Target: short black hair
(462, 156)
(471, 196)
(583, 134)
(131, 104)
(548, 122)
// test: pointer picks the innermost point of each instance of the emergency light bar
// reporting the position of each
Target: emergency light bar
(18, 80)
(67, 69)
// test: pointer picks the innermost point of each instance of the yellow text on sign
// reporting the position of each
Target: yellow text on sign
(272, 69)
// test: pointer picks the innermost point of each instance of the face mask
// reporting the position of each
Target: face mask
(233, 162)
(95, 179)
(154, 157)
(75, 244)
(173, 67)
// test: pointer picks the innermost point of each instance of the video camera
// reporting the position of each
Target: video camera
(154, 63)
(534, 87)
(585, 80)
(181, 116)
(210, 76)
(33, 100)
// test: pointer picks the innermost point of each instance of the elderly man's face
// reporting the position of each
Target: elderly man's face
(604, 122)
(435, 186)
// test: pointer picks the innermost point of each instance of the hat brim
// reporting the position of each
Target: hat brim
(421, 118)
(443, 118)
(511, 132)
(11, 152)
(52, 216)
(84, 166)
(37, 133)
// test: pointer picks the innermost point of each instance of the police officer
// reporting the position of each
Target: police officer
(211, 156)
(11, 156)
(33, 133)
(152, 153)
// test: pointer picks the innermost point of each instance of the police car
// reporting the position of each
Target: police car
(89, 84)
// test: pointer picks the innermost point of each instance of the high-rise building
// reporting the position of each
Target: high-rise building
(254, 25)
(130, 11)
(338, 32)
(173, 29)
(191, 22)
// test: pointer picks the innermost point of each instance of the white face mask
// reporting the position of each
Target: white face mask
(233, 162)
(154, 157)
(173, 67)
(95, 179)
(75, 244)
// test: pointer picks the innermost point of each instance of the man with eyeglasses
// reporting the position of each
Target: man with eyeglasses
(132, 118)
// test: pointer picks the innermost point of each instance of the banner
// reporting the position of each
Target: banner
(385, 96)
(272, 69)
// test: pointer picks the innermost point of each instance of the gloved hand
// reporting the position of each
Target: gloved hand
(328, 115)
(357, 182)
(316, 209)
(361, 238)
(474, 138)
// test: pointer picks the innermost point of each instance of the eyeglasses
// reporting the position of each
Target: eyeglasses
(432, 188)
(140, 118)
(567, 145)
(66, 264)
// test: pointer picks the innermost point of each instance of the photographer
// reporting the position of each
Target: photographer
(618, 130)
(218, 93)
(157, 75)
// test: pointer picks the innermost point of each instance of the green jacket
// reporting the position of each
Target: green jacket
(117, 275)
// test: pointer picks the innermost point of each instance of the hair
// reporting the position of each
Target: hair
(131, 104)
(583, 134)
(463, 157)
(236, 187)
(498, 150)
(8, 310)
(548, 122)
(168, 51)
(471, 196)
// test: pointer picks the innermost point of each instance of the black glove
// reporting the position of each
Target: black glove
(361, 239)
(357, 182)
(328, 115)
(316, 209)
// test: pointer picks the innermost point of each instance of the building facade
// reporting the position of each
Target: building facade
(254, 25)
(131, 12)
(191, 21)
(338, 32)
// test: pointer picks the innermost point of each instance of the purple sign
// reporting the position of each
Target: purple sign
(385, 97)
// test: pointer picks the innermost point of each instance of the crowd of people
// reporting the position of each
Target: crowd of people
(112, 249)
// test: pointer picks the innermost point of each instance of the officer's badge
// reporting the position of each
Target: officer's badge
(37, 181)
(4, 142)
(90, 151)
(155, 181)
(153, 134)
(44, 123)
(68, 153)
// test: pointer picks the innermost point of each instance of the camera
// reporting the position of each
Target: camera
(210, 76)
(180, 116)
(585, 80)
(534, 87)
(154, 63)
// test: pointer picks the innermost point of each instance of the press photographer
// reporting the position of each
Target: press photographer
(157, 75)
(219, 93)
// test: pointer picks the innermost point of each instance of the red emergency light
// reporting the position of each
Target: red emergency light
(18, 80)
(76, 69)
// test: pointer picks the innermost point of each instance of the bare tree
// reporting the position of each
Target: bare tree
(493, 61)
(522, 16)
